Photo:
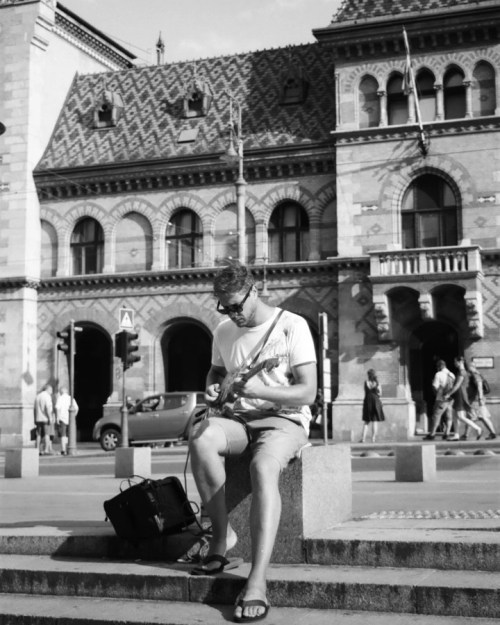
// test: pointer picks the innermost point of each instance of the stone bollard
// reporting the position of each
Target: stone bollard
(22, 462)
(131, 461)
(415, 463)
(316, 493)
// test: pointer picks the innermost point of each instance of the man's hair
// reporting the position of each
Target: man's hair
(233, 277)
(440, 363)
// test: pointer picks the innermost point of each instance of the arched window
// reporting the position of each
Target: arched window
(184, 240)
(133, 244)
(288, 233)
(483, 90)
(87, 247)
(369, 105)
(454, 94)
(48, 266)
(426, 95)
(397, 101)
(429, 213)
(226, 235)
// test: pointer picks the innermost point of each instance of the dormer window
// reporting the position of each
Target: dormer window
(295, 86)
(197, 98)
(108, 110)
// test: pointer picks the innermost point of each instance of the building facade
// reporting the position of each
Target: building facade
(352, 208)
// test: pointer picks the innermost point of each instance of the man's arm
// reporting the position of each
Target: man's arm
(301, 393)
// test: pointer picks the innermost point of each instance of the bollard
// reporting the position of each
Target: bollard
(131, 461)
(415, 463)
(22, 462)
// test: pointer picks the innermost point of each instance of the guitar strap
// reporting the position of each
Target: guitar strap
(260, 346)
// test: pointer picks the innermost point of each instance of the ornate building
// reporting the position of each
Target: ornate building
(354, 206)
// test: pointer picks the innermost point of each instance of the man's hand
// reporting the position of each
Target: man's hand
(212, 393)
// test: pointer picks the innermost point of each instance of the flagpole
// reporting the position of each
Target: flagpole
(423, 142)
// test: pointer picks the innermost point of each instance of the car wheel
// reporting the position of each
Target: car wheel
(110, 439)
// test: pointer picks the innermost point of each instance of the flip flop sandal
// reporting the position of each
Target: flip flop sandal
(251, 602)
(225, 564)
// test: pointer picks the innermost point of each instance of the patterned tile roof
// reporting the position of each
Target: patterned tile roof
(351, 10)
(152, 115)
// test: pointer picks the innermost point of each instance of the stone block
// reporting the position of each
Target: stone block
(22, 462)
(131, 461)
(415, 463)
(316, 493)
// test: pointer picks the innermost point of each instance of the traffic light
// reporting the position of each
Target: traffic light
(125, 348)
(65, 343)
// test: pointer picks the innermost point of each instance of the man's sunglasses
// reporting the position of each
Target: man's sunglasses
(236, 309)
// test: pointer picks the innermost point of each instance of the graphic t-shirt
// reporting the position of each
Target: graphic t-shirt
(290, 343)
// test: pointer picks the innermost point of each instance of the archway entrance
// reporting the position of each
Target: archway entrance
(430, 342)
(186, 352)
(93, 377)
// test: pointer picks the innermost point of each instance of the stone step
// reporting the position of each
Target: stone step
(406, 544)
(47, 610)
(370, 589)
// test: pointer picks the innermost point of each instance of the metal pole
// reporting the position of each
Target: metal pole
(240, 192)
(72, 411)
(124, 411)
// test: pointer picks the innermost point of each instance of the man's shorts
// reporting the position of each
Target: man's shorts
(63, 428)
(278, 437)
(42, 428)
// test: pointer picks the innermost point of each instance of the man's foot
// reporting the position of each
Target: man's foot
(463, 437)
(218, 549)
(251, 605)
(453, 437)
(491, 436)
(479, 434)
(429, 437)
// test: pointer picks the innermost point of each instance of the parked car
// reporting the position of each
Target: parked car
(161, 418)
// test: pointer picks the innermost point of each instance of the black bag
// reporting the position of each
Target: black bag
(150, 509)
(486, 386)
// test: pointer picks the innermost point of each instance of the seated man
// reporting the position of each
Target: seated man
(270, 415)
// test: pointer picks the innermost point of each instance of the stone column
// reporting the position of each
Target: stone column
(383, 107)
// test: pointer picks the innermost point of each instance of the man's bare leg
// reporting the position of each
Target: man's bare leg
(207, 465)
(264, 520)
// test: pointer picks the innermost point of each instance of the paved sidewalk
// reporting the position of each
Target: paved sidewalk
(465, 495)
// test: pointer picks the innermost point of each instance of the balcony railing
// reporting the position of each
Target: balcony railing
(423, 261)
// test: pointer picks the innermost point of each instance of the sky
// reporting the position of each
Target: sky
(195, 29)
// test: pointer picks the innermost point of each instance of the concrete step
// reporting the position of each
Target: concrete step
(46, 610)
(404, 544)
(370, 589)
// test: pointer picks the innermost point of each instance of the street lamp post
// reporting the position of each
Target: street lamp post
(234, 154)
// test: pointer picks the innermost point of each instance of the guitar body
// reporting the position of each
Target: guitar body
(223, 406)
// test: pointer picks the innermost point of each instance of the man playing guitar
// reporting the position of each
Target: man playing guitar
(264, 365)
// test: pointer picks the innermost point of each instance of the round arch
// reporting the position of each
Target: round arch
(93, 375)
(186, 355)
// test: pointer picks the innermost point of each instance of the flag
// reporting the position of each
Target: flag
(408, 71)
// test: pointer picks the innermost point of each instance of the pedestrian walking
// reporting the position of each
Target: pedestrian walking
(44, 418)
(442, 384)
(373, 412)
(479, 411)
(461, 403)
(63, 404)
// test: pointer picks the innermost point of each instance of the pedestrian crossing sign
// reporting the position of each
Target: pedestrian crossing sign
(126, 319)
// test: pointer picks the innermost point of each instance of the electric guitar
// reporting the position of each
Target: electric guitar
(225, 400)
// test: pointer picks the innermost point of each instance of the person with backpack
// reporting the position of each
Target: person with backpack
(442, 384)
(476, 391)
(461, 402)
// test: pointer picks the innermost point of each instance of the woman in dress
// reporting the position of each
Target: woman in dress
(372, 406)
(461, 402)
